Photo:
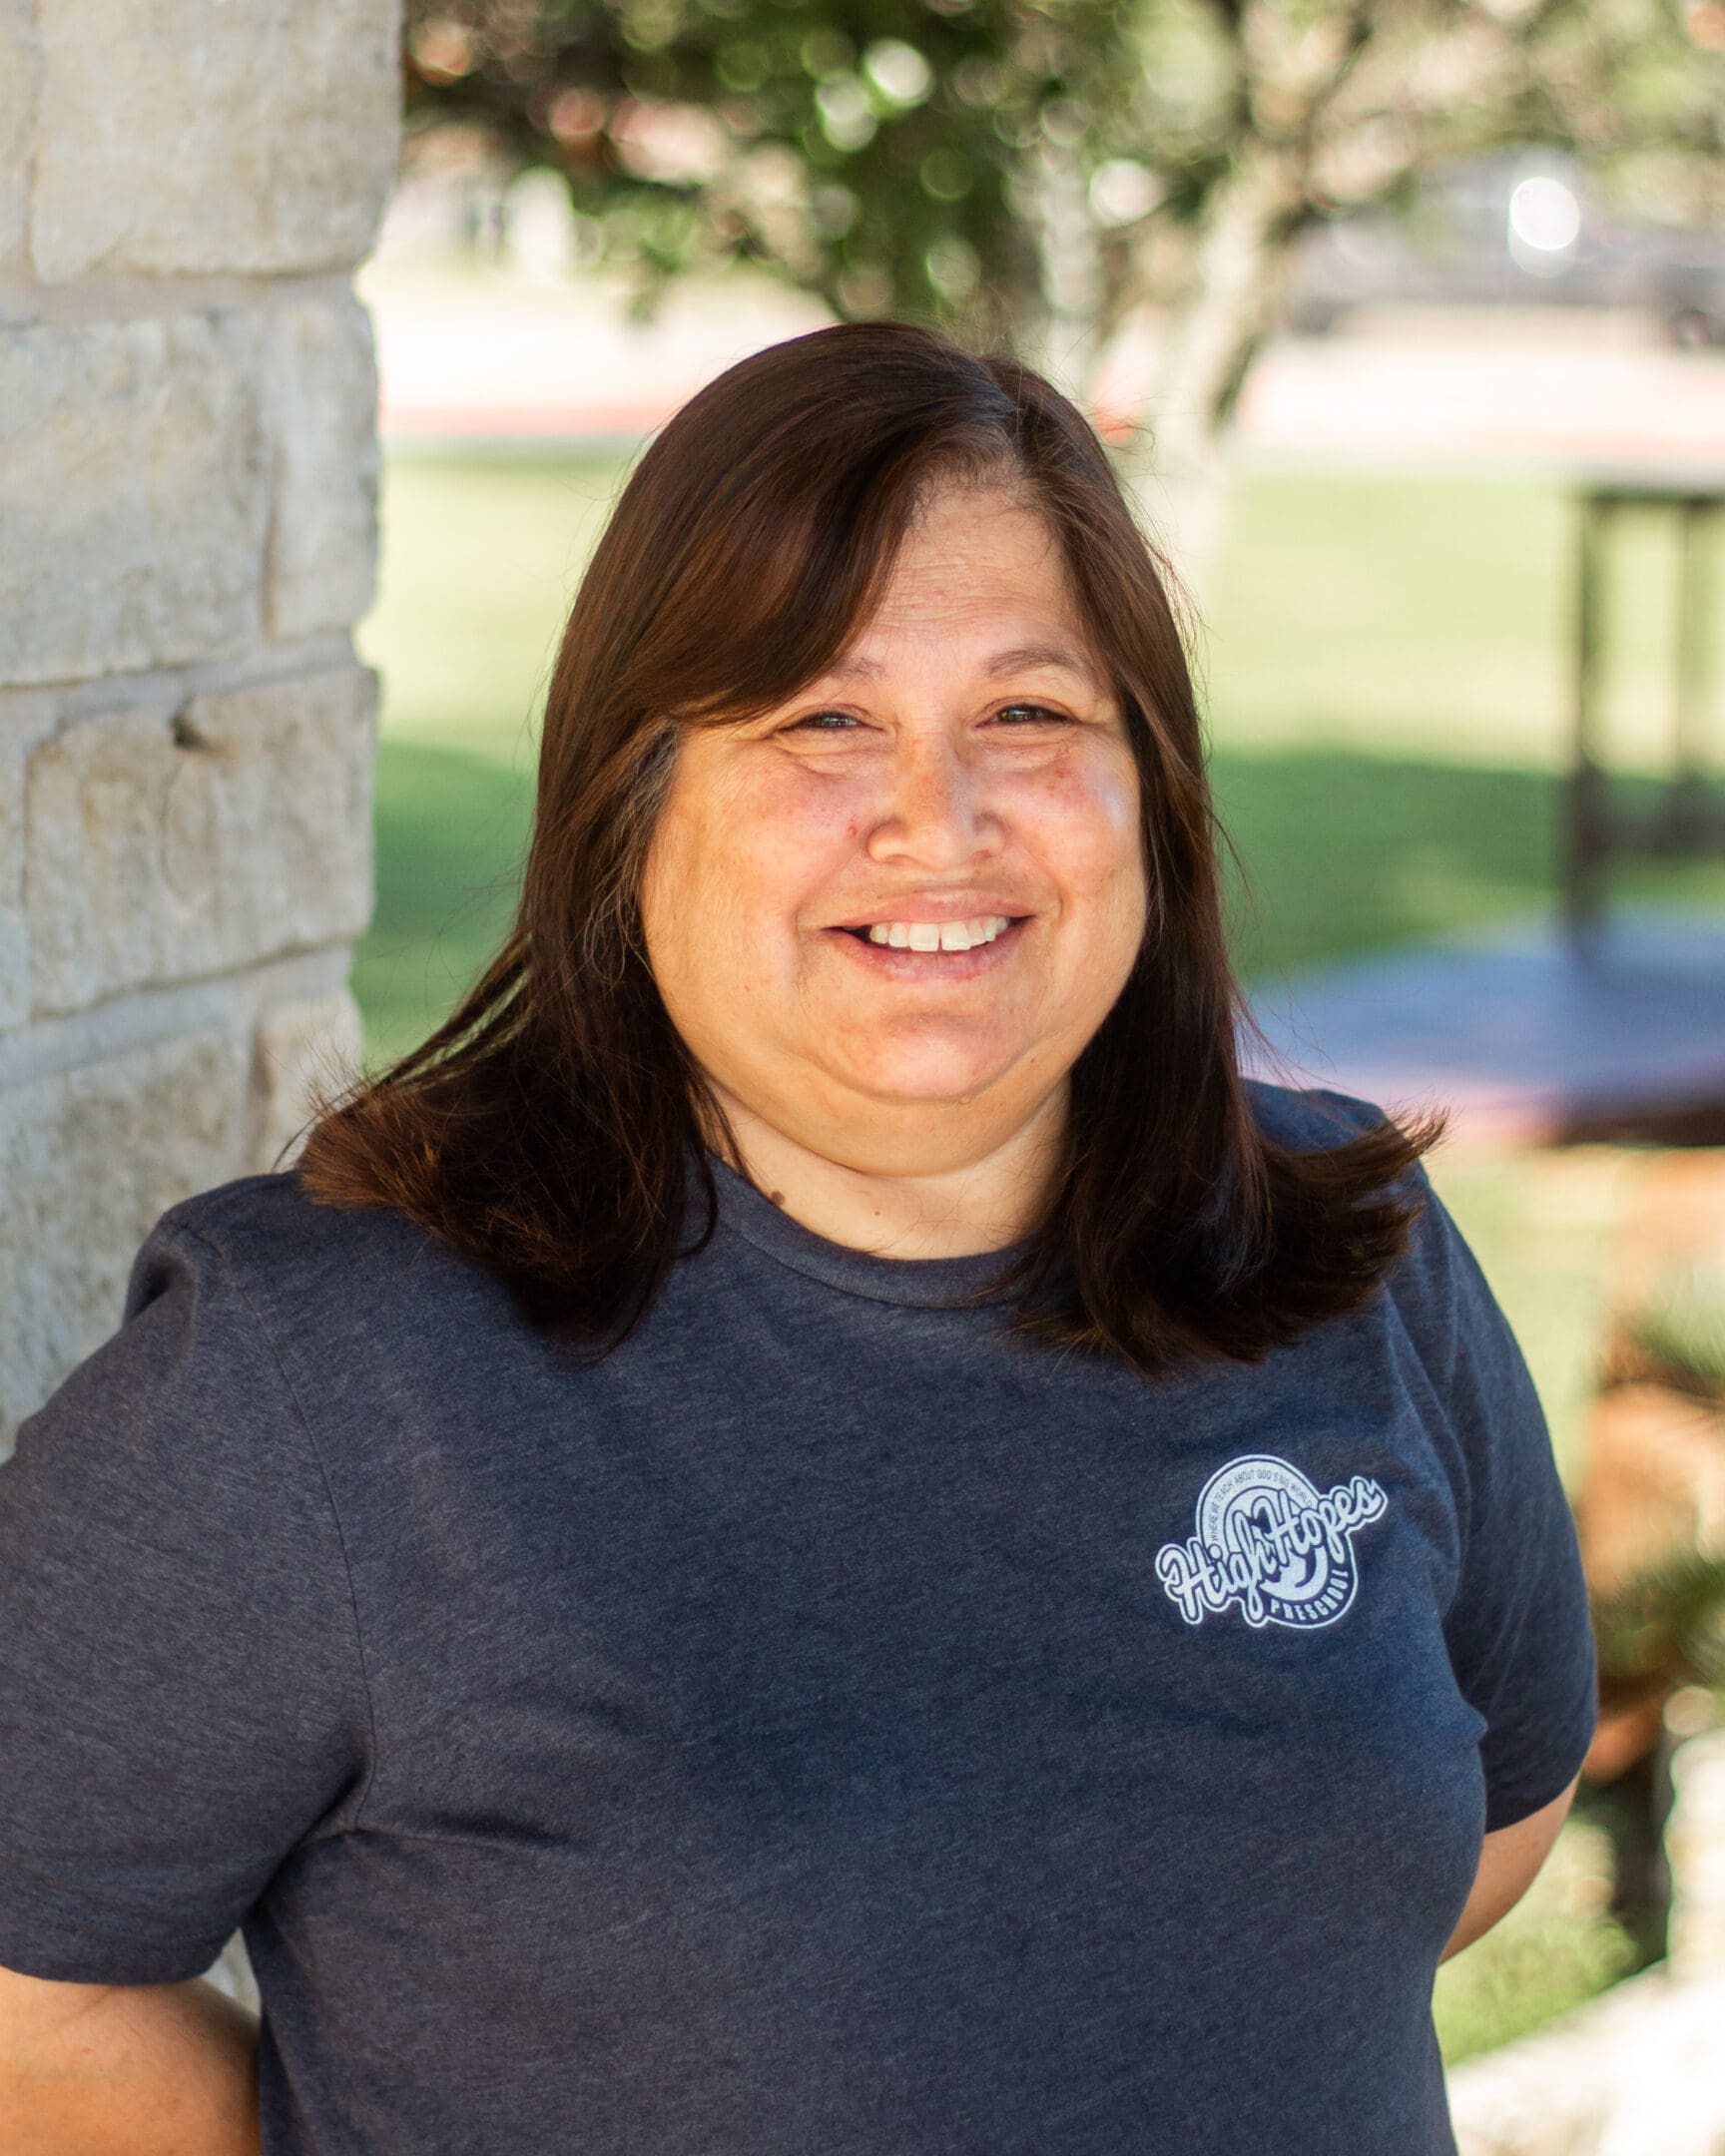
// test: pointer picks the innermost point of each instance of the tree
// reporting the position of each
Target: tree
(1032, 170)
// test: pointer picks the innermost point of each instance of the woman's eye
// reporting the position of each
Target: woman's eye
(836, 721)
(1034, 712)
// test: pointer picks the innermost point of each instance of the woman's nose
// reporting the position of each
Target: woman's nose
(936, 809)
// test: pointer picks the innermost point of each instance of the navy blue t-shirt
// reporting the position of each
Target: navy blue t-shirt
(828, 1726)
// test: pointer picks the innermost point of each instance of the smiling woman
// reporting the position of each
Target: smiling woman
(926, 897)
(873, 640)
(815, 1532)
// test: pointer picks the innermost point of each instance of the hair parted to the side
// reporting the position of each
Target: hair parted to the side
(548, 1128)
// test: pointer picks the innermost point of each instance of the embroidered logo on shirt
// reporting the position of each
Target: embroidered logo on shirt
(1268, 1540)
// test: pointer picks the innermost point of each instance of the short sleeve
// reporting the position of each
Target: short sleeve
(1519, 1628)
(181, 1697)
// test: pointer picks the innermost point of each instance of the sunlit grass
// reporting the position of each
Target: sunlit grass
(1431, 619)
(480, 559)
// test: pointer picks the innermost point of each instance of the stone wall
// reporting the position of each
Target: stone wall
(188, 531)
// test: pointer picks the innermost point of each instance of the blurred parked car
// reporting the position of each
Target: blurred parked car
(1521, 228)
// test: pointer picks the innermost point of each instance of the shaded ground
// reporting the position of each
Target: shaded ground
(450, 830)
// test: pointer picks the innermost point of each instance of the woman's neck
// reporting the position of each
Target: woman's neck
(933, 1205)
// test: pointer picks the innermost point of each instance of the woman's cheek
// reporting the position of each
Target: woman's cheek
(809, 807)
(773, 868)
(1081, 819)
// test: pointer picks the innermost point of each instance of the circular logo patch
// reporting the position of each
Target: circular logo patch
(1271, 1541)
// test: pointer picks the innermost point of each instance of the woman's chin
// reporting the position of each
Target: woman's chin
(924, 1083)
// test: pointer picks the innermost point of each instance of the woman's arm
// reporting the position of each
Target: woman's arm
(1509, 1864)
(126, 2069)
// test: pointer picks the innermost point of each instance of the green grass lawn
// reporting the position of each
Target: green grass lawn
(1429, 618)
(1385, 668)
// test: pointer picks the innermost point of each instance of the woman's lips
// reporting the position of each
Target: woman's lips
(884, 960)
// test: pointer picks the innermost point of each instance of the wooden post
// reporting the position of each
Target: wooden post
(1689, 810)
(1585, 833)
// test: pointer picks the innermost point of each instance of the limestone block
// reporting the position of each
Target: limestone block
(270, 148)
(88, 1160)
(321, 380)
(25, 718)
(19, 82)
(318, 1041)
(136, 493)
(1695, 1845)
(1634, 2072)
(163, 849)
(14, 948)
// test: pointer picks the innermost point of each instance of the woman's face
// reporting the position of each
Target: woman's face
(906, 899)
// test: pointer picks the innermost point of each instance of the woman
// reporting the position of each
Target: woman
(814, 1530)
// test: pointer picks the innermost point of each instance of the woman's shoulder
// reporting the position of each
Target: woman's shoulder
(1434, 1283)
(309, 1271)
(1310, 1118)
(276, 1219)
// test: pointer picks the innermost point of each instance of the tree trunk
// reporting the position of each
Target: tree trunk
(1206, 346)
(1067, 343)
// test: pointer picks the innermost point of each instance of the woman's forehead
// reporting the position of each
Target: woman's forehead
(1059, 654)
(993, 579)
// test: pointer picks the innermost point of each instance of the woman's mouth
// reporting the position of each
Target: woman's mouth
(933, 950)
(936, 935)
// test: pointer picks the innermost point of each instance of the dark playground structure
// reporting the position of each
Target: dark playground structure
(1600, 1022)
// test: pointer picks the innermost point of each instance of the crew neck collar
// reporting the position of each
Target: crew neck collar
(926, 1283)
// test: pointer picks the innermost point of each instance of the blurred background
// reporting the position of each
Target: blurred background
(1406, 326)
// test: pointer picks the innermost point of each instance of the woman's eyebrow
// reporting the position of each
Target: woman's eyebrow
(1021, 655)
(1014, 659)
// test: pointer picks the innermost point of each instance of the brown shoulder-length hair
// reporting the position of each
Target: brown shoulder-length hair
(549, 1129)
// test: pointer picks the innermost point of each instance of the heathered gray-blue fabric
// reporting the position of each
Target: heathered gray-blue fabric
(828, 1727)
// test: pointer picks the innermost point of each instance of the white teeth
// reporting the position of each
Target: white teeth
(939, 935)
